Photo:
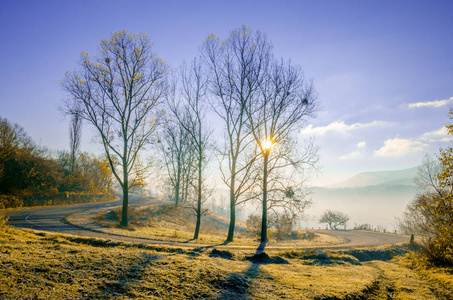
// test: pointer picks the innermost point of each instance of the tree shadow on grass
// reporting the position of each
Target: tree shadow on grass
(118, 285)
(237, 285)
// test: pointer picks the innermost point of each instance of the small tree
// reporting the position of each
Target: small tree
(334, 219)
(253, 224)
(176, 153)
(284, 224)
(118, 92)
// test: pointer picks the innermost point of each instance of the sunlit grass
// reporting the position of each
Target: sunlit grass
(39, 265)
(164, 223)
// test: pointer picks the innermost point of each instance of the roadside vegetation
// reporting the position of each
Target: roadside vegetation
(430, 214)
(31, 175)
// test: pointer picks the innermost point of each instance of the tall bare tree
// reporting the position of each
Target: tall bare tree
(236, 68)
(286, 99)
(118, 92)
(191, 115)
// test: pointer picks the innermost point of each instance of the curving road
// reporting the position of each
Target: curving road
(50, 219)
(360, 238)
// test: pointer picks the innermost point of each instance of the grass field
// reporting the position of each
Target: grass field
(39, 265)
(164, 223)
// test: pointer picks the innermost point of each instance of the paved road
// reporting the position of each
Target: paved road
(359, 238)
(49, 219)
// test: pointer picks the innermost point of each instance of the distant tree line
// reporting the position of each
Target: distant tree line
(31, 175)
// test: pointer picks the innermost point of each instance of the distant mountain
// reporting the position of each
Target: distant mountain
(399, 177)
(369, 197)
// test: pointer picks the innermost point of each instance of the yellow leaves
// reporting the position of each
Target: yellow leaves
(211, 37)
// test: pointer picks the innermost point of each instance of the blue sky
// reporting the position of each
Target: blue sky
(370, 61)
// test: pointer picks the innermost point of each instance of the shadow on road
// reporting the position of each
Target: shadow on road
(210, 246)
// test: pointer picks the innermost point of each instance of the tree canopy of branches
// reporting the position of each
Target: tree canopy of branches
(259, 99)
(175, 149)
(235, 67)
(191, 116)
(283, 101)
(118, 92)
(334, 219)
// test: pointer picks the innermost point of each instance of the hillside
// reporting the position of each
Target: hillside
(397, 177)
(70, 267)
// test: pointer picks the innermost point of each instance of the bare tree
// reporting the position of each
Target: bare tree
(191, 115)
(176, 150)
(118, 92)
(286, 99)
(334, 219)
(236, 68)
(418, 216)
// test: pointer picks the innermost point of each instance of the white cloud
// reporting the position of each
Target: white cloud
(436, 135)
(398, 147)
(338, 127)
(361, 145)
(435, 103)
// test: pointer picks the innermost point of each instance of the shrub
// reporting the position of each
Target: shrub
(9, 201)
(253, 224)
(284, 224)
(3, 219)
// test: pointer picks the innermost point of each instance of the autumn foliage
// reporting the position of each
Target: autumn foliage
(430, 214)
(30, 175)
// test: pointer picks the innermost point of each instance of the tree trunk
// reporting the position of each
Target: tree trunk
(264, 217)
(178, 181)
(125, 205)
(197, 227)
(125, 195)
(232, 212)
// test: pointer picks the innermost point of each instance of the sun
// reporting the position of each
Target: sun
(267, 144)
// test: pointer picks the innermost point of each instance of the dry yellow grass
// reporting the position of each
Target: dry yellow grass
(38, 265)
(178, 226)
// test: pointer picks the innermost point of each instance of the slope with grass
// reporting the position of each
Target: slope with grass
(41, 265)
(161, 221)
